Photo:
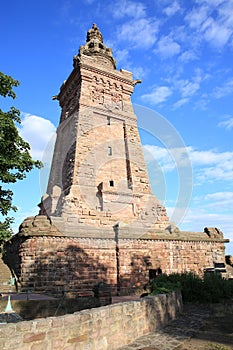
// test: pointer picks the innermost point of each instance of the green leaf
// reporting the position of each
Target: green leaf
(15, 158)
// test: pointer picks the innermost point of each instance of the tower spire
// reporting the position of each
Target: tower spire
(94, 34)
(94, 46)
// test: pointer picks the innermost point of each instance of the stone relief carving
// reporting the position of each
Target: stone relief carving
(116, 100)
(109, 94)
(97, 95)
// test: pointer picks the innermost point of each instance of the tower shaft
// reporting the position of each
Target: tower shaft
(98, 175)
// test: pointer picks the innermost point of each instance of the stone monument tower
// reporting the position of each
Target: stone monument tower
(99, 219)
(98, 174)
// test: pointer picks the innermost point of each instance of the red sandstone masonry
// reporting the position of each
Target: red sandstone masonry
(138, 256)
(53, 264)
(105, 328)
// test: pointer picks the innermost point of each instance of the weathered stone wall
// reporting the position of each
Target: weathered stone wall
(54, 264)
(138, 257)
(105, 328)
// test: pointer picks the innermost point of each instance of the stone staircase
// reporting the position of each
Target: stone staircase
(5, 275)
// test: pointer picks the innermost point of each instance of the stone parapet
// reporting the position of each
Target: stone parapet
(105, 328)
(41, 225)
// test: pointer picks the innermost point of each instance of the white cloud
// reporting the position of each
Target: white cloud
(215, 33)
(210, 210)
(202, 103)
(198, 218)
(226, 13)
(126, 8)
(181, 102)
(168, 159)
(208, 157)
(138, 72)
(212, 165)
(122, 56)
(212, 3)
(160, 155)
(215, 173)
(220, 196)
(186, 87)
(123, 60)
(159, 94)
(172, 9)
(220, 200)
(140, 33)
(37, 131)
(205, 215)
(227, 124)
(188, 55)
(208, 165)
(224, 90)
(212, 21)
(167, 47)
(197, 16)
(189, 88)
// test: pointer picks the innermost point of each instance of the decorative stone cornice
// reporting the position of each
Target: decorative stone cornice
(115, 75)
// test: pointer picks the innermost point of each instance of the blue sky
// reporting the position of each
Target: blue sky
(182, 51)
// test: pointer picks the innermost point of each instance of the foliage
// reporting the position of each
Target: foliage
(15, 158)
(217, 347)
(212, 288)
(163, 285)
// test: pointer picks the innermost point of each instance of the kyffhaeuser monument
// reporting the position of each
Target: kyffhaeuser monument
(99, 219)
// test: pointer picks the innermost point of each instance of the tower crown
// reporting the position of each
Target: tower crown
(94, 46)
(94, 34)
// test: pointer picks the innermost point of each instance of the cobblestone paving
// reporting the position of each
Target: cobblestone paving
(175, 333)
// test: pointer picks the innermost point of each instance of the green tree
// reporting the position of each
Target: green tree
(15, 158)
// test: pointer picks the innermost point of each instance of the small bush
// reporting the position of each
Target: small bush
(211, 288)
(217, 347)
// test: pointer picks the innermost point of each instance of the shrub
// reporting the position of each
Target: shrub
(211, 288)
